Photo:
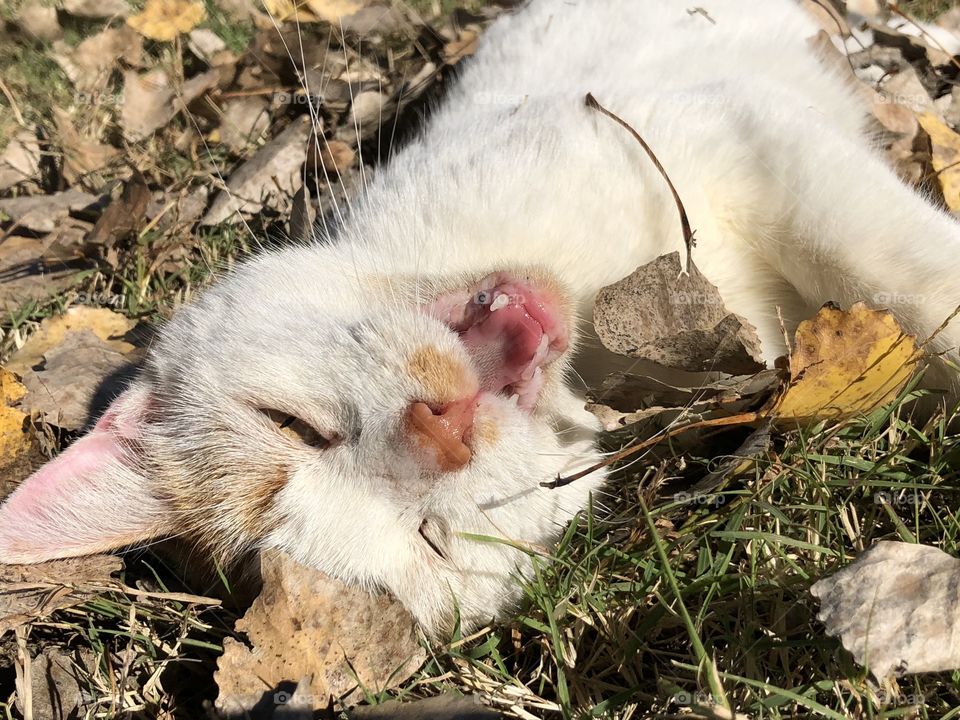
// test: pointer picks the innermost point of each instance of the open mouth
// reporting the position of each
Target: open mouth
(512, 331)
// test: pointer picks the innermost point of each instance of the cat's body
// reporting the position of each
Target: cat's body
(391, 342)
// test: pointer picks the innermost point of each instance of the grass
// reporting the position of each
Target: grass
(645, 612)
(926, 9)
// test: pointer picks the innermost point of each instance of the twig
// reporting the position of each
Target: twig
(741, 419)
(13, 104)
(688, 235)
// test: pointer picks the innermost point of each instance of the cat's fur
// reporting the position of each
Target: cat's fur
(791, 206)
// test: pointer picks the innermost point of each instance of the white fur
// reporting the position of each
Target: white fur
(791, 206)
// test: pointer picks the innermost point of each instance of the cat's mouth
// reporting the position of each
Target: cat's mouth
(512, 330)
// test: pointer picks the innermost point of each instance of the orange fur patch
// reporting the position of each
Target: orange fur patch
(444, 378)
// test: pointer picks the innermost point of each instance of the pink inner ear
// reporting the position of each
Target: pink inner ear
(90, 498)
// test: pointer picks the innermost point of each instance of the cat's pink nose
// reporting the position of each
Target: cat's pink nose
(441, 435)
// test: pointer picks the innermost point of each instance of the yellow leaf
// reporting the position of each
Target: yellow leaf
(311, 10)
(15, 444)
(946, 157)
(165, 19)
(106, 324)
(846, 363)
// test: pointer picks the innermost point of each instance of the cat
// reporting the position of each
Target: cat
(384, 403)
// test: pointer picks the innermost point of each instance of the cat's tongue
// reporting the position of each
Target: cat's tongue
(511, 330)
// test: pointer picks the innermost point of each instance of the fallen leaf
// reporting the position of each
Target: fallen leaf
(41, 213)
(150, 100)
(245, 119)
(270, 178)
(123, 216)
(367, 113)
(845, 363)
(74, 374)
(946, 157)
(678, 321)
(463, 46)
(39, 20)
(895, 609)
(109, 326)
(205, 44)
(97, 8)
(27, 275)
(90, 64)
(81, 155)
(330, 11)
(333, 156)
(20, 160)
(19, 453)
(58, 684)
(164, 20)
(306, 625)
(28, 592)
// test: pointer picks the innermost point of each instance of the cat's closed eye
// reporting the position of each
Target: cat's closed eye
(297, 429)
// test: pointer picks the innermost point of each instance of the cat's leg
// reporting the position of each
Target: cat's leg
(847, 229)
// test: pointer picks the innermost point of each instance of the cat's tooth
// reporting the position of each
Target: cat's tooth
(514, 400)
(500, 301)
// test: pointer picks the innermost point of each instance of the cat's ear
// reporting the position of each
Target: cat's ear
(90, 498)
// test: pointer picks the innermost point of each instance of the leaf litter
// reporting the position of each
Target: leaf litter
(77, 221)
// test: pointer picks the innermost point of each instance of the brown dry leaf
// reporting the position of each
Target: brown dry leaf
(27, 274)
(97, 8)
(28, 592)
(270, 178)
(65, 363)
(58, 684)
(122, 217)
(845, 363)
(463, 46)
(75, 380)
(946, 157)
(895, 609)
(90, 64)
(41, 213)
(81, 155)
(150, 100)
(678, 321)
(330, 11)
(20, 160)
(334, 156)
(306, 625)
(245, 119)
(206, 45)
(19, 453)
(164, 20)
(39, 20)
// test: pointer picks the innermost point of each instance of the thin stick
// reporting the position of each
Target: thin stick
(741, 419)
(688, 235)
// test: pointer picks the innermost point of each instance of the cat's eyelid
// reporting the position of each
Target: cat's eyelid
(297, 428)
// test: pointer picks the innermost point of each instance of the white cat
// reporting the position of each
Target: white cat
(374, 404)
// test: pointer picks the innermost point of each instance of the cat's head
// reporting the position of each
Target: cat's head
(390, 431)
